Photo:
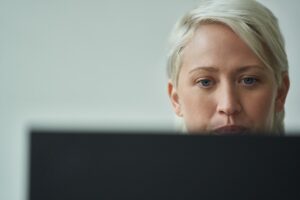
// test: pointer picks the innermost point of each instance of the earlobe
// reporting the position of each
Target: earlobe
(282, 92)
(173, 95)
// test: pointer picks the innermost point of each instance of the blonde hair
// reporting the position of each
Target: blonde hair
(251, 21)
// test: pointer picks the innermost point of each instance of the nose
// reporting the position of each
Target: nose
(228, 100)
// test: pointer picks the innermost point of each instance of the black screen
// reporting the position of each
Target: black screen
(98, 165)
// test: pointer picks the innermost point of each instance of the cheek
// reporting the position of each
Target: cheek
(259, 107)
(197, 109)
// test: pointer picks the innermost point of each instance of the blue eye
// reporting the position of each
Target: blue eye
(249, 81)
(205, 83)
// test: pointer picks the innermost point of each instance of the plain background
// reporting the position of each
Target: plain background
(97, 65)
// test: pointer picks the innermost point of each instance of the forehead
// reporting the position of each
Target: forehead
(217, 45)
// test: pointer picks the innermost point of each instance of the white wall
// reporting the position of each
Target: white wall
(96, 64)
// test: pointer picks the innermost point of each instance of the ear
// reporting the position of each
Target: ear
(282, 92)
(173, 95)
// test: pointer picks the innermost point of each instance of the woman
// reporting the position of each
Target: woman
(228, 70)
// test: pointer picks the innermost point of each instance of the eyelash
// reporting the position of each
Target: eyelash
(207, 83)
(253, 81)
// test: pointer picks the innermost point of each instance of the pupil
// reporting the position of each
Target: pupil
(249, 80)
(205, 82)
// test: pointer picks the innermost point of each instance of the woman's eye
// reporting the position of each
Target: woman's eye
(205, 83)
(249, 81)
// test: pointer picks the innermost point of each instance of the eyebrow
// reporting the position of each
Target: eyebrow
(239, 70)
(249, 67)
(205, 68)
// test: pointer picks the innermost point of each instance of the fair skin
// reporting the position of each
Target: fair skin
(223, 87)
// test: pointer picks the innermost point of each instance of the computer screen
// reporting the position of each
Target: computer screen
(105, 165)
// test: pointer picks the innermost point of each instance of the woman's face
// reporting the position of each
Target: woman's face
(223, 87)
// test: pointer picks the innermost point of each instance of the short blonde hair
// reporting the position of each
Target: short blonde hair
(251, 21)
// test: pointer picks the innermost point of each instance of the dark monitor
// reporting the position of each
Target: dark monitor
(85, 165)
